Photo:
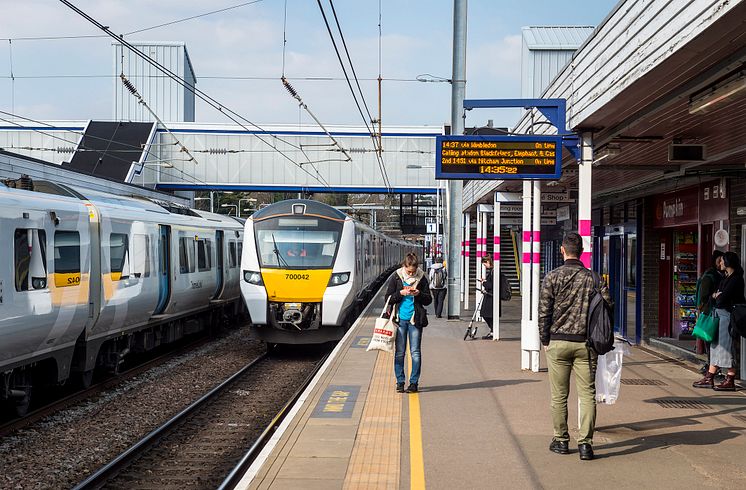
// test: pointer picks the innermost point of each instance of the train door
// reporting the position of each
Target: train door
(164, 268)
(220, 269)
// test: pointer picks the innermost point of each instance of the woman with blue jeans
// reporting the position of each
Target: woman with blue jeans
(409, 292)
(730, 292)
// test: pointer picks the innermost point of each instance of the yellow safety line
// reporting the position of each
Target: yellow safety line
(416, 459)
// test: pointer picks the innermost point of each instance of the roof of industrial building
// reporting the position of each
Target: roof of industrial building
(556, 37)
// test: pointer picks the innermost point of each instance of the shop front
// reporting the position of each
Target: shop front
(692, 222)
(619, 263)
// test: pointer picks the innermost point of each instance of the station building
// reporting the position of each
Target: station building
(658, 94)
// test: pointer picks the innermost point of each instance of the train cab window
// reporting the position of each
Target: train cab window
(232, 259)
(141, 255)
(297, 242)
(186, 255)
(204, 255)
(30, 258)
(66, 258)
(119, 260)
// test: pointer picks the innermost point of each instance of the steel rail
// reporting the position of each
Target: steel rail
(240, 469)
(100, 477)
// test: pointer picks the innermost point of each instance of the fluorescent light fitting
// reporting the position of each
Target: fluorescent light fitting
(716, 95)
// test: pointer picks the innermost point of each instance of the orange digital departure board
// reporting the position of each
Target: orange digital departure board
(498, 157)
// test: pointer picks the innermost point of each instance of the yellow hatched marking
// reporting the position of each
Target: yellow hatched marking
(376, 456)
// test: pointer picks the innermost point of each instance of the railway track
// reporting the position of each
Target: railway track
(81, 395)
(200, 446)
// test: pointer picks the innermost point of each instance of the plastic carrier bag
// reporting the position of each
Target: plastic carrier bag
(609, 373)
(384, 332)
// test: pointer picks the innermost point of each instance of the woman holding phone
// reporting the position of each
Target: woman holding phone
(409, 292)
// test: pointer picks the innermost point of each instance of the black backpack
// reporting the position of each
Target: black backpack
(738, 320)
(505, 290)
(600, 328)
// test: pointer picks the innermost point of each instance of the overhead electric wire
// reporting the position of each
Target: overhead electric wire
(87, 36)
(379, 156)
(212, 102)
(354, 96)
(242, 78)
(133, 90)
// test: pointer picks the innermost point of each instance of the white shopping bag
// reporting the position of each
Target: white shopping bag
(609, 374)
(384, 332)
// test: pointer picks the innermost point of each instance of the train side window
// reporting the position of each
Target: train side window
(240, 251)
(66, 258)
(208, 255)
(119, 250)
(204, 249)
(186, 255)
(30, 254)
(141, 255)
(232, 254)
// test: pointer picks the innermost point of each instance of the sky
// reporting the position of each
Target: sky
(59, 79)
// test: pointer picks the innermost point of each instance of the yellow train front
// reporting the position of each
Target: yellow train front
(308, 268)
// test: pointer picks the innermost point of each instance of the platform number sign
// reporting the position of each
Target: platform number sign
(498, 157)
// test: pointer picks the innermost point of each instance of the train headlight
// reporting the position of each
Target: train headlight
(339, 278)
(253, 278)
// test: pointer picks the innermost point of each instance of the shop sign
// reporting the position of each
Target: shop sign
(677, 208)
(519, 221)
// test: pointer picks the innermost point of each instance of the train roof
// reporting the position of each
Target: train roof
(290, 207)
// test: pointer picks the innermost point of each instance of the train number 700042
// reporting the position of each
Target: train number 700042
(298, 277)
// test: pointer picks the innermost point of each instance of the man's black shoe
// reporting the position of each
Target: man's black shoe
(586, 452)
(487, 336)
(412, 388)
(559, 447)
(400, 387)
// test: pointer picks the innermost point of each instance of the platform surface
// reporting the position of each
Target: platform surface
(481, 422)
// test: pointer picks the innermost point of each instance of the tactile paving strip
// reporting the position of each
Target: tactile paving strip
(685, 404)
(376, 456)
(643, 382)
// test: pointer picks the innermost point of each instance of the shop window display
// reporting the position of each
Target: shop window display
(685, 283)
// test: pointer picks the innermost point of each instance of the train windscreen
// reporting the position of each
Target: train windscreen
(297, 242)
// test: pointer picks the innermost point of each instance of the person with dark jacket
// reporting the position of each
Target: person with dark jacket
(706, 286)
(730, 292)
(563, 322)
(409, 292)
(488, 286)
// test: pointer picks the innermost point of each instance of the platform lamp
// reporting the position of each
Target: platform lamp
(251, 200)
(230, 206)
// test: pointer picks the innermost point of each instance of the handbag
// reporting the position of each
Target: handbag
(384, 332)
(706, 327)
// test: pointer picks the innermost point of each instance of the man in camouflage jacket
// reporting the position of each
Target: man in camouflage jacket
(563, 317)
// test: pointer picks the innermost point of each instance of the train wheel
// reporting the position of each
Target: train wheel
(84, 379)
(21, 405)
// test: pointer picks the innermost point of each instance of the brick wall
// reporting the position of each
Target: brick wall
(650, 267)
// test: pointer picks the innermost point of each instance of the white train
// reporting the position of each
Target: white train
(88, 278)
(307, 269)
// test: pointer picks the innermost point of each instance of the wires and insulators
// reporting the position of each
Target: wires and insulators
(290, 88)
(128, 85)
